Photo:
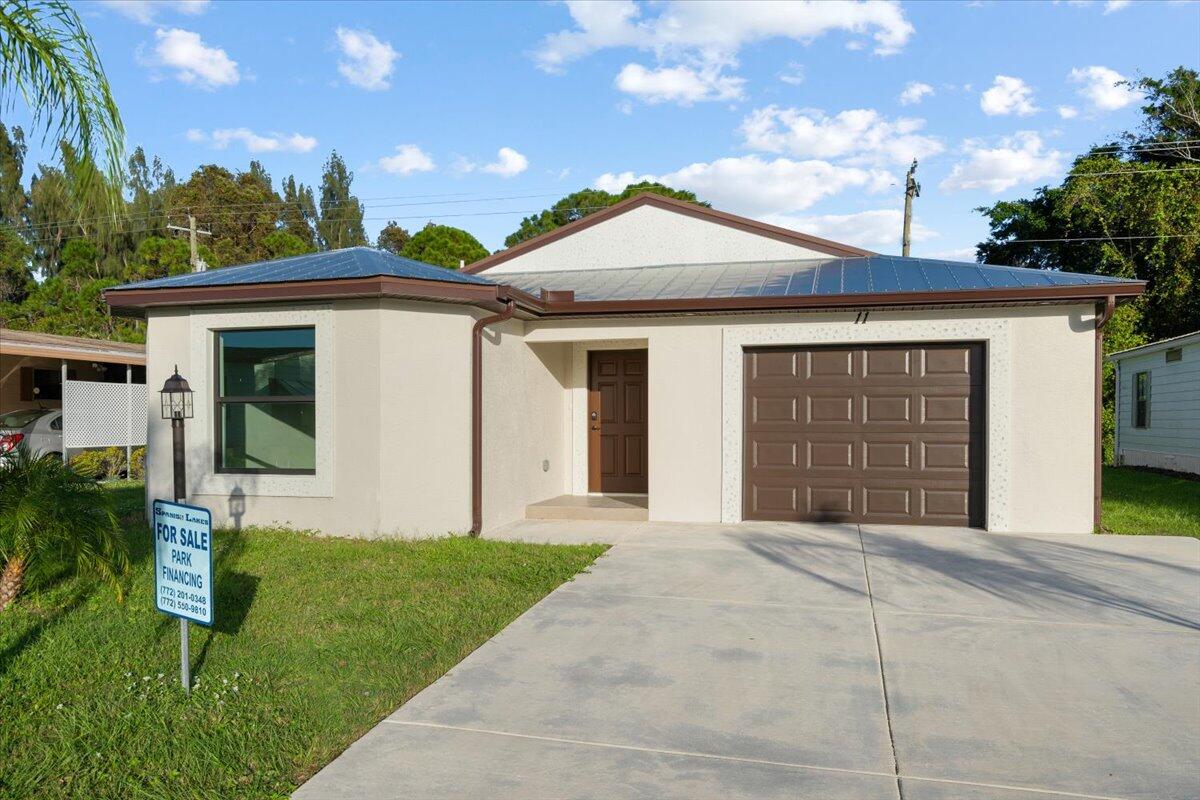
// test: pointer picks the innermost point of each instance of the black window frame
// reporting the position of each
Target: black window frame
(1141, 400)
(220, 402)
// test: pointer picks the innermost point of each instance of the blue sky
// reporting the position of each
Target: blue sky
(805, 115)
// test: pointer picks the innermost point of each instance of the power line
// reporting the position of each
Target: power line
(1156, 173)
(1102, 238)
(246, 207)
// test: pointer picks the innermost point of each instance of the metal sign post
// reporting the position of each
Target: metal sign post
(183, 570)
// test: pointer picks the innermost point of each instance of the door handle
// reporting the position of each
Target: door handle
(595, 427)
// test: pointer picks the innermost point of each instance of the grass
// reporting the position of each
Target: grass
(1143, 502)
(315, 641)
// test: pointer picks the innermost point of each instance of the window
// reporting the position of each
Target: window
(1174, 354)
(265, 407)
(1141, 400)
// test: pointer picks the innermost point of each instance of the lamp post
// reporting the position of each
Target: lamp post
(177, 406)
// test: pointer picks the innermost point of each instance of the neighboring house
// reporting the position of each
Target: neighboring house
(99, 385)
(1158, 404)
(33, 365)
(711, 367)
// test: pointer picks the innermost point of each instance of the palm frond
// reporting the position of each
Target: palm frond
(48, 59)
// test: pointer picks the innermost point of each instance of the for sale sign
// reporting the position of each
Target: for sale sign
(183, 561)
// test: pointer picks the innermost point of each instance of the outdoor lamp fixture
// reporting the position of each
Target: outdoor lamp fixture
(176, 397)
(177, 406)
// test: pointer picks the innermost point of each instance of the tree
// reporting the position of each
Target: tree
(444, 246)
(50, 514)
(579, 204)
(1129, 209)
(392, 238)
(341, 222)
(160, 256)
(49, 59)
(282, 244)
(240, 209)
(1172, 118)
(299, 214)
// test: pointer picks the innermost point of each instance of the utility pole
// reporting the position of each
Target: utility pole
(190, 230)
(911, 189)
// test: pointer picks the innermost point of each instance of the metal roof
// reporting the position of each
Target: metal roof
(351, 262)
(805, 277)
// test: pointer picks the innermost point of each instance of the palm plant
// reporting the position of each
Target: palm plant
(48, 59)
(50, 514)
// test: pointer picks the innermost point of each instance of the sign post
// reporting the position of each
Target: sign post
(183, 570)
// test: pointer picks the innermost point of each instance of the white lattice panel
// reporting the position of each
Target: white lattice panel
(104, 414)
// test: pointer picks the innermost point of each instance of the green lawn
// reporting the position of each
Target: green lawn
(1141, 502)
(316, 640)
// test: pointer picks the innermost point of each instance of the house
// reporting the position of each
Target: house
(1157, 406)
(100, 386)
(33, 366)
(710, 367)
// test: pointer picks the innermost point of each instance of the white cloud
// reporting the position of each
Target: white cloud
(880, 228)
(1116, 5)
(794, 75)
(715, 31)
(1017, 159)
(146, 11)
(1099, 86)
(408, 159)
(368, 62)
(1068, 112)
(221, 138)
(914, 92)
(955, 254)
(681, 85)
(1008, 95)
(193, 62)
(753, 186)
(507, 164)
(860, 134)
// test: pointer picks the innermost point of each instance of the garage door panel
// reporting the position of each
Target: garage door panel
(825, 454)
(888, 434)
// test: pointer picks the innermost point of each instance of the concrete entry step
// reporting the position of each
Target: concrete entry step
(617, 507)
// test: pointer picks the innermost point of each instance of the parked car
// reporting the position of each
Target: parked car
(39, 429)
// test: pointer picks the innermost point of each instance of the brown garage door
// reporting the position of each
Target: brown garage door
(883, 433)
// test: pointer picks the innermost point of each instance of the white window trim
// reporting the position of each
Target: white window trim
(201, 445)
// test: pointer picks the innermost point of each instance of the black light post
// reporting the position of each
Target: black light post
(177, 406)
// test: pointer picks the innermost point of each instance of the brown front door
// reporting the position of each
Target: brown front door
(617, 417)
(879, 433)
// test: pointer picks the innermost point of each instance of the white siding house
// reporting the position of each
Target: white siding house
(1158, 404)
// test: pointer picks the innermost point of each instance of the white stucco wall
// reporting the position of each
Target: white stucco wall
(648, 235)
(393, 419)
(394, 389)
(526, 457)
(1040, 401)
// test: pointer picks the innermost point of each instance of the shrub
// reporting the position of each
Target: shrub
(137, 467)
(51, 515)
(99, 464)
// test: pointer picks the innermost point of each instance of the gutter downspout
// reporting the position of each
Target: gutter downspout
(1103, 315)
(477, 411)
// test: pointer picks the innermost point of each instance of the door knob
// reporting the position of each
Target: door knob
(595, 415)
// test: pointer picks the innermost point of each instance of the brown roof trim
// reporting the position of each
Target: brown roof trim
(132, 300)
(670, 204)
(880, 299)
(72, 348)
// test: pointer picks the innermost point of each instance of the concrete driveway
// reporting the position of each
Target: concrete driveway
(805, 661)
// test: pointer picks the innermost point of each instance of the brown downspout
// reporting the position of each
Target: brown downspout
(1103, 315)
(477, 412)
